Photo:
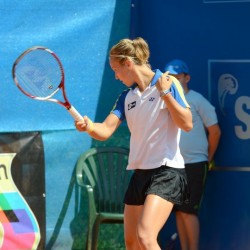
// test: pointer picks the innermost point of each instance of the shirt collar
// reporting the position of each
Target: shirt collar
(157, 75)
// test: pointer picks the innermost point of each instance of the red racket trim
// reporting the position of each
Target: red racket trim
(74, 113)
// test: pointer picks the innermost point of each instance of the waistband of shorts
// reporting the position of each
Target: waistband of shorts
(150, 170)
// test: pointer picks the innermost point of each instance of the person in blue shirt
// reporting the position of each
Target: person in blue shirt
(155, 109)
(197, 148)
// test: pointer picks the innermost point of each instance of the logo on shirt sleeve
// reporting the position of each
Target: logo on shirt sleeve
(131, 105)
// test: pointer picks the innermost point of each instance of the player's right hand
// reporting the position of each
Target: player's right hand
(86, 125)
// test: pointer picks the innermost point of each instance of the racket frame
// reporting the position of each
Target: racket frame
(61, 86)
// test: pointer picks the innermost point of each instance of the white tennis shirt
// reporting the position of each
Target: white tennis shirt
(154, 137)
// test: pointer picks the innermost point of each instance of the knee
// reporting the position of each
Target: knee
(145, 238)
(141, 240)
(131, 242)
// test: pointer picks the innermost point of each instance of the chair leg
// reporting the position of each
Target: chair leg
(89, 239)
(95, 232)
(87, 244)
(93, 220)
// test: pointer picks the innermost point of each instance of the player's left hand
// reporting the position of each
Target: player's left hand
(164, 82)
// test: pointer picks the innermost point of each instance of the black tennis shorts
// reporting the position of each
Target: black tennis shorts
(166, 182)
(196, 176)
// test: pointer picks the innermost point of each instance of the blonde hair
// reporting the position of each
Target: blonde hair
(136, 50)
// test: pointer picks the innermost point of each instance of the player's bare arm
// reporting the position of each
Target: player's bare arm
(99, 131)
(181, 116)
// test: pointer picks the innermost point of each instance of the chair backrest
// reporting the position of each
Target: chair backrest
(104, 169)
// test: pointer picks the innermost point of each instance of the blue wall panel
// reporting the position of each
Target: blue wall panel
(213, 38)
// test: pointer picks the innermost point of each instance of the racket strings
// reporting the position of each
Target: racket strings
(39, 73)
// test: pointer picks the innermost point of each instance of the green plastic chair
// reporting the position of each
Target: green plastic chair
(102, 171)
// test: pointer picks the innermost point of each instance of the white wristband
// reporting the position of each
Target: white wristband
(165, 92)
(90, 127)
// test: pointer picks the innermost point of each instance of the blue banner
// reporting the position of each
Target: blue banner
(228, 82)
(79, 33)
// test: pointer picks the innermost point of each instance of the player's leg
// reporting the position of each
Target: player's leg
(131, 218)
(155, 212)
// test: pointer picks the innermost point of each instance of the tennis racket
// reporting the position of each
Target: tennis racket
(39, 74)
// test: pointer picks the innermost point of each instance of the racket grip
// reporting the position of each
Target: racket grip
(76, 115)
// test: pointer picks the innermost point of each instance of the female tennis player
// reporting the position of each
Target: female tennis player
(155, 109)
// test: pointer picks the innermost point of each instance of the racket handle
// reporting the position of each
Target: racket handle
(76, 115)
